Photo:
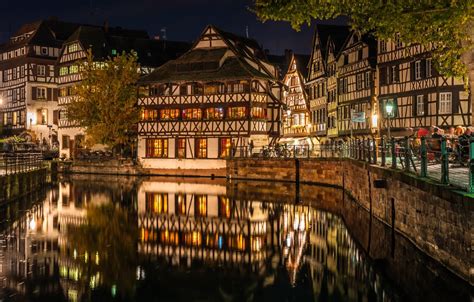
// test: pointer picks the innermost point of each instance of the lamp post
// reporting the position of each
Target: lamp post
(389, 111)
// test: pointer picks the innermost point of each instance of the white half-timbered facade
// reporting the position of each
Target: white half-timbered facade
(28, 86)
(296, 120)
(423, 97)
(321, 81)
(220, 95)
(103, 42)
(356, 86)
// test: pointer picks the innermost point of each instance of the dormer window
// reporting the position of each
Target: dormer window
(44, 50)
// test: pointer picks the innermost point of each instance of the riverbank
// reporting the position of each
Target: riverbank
(437, 218)
(129, 168)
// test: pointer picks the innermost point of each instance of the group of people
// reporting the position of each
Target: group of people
(457, 139)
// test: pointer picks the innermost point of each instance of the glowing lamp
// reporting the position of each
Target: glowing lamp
(375, 119)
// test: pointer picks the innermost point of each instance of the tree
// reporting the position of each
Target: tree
(105, 102)
(446, 25)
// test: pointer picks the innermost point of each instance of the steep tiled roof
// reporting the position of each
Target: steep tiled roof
(215, 64)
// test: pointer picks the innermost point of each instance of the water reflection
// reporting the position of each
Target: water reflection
(116, 239)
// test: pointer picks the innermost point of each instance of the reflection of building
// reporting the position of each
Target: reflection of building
(186, 227)
(195, 222)
(29, 250)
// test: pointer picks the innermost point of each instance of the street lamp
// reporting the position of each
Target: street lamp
(389, 111)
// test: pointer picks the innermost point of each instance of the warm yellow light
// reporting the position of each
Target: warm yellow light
(375, 119)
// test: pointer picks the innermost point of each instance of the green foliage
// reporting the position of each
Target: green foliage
(443, 24)
(105, 99)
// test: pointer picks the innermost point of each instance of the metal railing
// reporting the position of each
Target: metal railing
(13, 163)
(449, 161)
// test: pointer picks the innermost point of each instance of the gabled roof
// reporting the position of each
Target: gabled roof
(366, 38)
(102, 41)
(230, 61)
(302, 64)
(338, 34)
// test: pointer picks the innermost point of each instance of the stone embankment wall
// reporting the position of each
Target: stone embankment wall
(126, 167)
(437, 218)
(17, 185)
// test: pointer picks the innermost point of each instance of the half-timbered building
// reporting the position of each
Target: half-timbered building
(104, 42)
(295, 114)
(421, 96)
(321, 80)
(220, 95)
(356, 67)
(28, 88)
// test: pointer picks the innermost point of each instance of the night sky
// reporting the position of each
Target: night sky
(183, 19)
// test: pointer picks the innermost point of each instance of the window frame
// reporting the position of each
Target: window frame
(156, 151)
(445, 105)
(420, 105)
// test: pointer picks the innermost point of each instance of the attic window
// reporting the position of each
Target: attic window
(44, 50)
(114, 52)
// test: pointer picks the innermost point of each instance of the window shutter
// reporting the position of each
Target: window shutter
(455, 101)
(425, 104)
(383, 75)
(33, 93)
(49, 94)
(412, 71)
(414, 105)
(55, 95)
(423, 68)
(397, 73)
(55, 117)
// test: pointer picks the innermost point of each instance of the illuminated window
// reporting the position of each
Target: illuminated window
(225, 145)
(14, 118)
(42, 116)
(214, 113)
(212, 89)
(149, 114)
(63, 71)
(445, 103)
(258, 112)
(73, 47)
(73, 69)
(181, 148)
(114, 52)
(157, 147)
(200, 205)
(236, 112)
(201, 147)
(192, 114)
(157, 203)
(224, 207)
(63, 92)
(180, 204)
(169, 114)
(5, 118)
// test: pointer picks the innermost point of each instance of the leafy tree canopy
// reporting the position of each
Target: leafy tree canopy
(444, 24)
(105, 99)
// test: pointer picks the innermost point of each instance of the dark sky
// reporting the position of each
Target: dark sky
(183, 19)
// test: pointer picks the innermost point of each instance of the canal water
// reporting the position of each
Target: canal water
(90, 238)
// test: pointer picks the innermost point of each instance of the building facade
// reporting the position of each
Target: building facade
(296, 121)
(327, 43)
(420, 95)
(103, 42)
(356, 67)
(222, 95)
(28, 80)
